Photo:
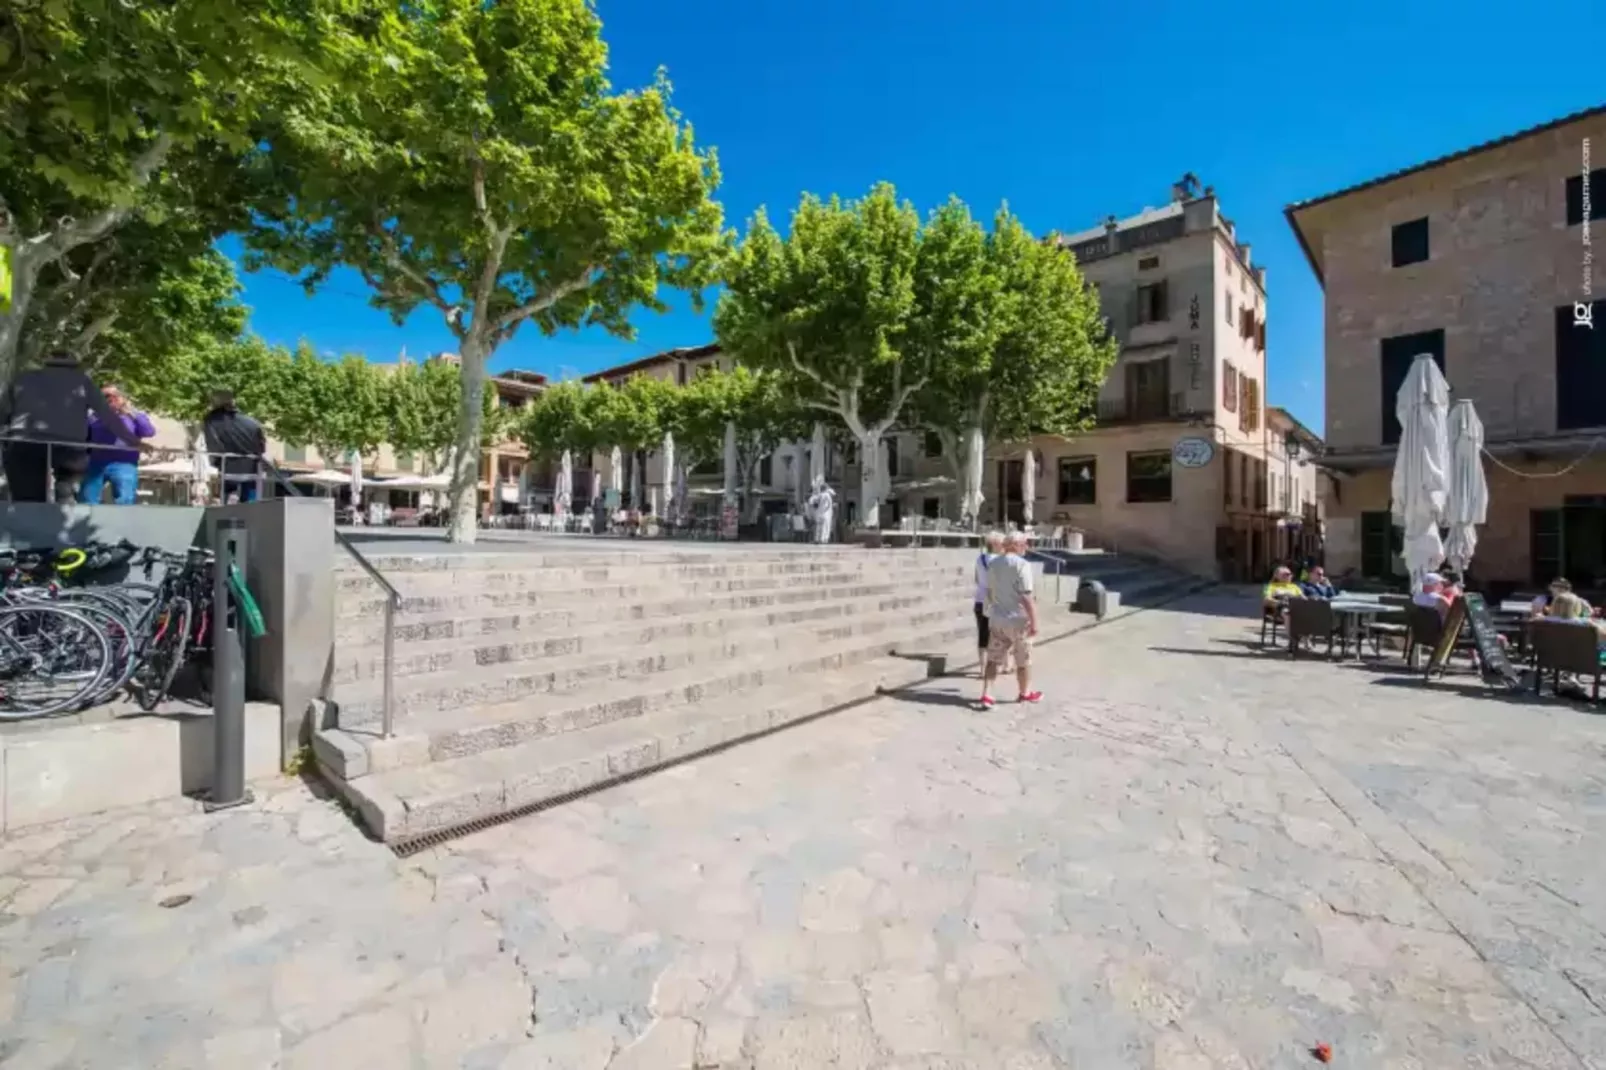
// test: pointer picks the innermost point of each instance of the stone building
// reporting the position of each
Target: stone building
(1297, 486)
(1483, 260)
(1177, 464)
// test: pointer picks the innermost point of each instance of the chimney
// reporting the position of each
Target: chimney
(1210, 191)
(1110, 225)
(1179, 192)
(1232, 232)
(1260, 277)
(1243, 251)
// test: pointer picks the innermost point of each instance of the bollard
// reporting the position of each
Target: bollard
(228, 672)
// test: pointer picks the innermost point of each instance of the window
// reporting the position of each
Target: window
(1260, 486)
(1243, 480)
(1246, 322)
(1410, 241)
(1148, 477)
(1249, 405)
(892, 457)
(1396, 355)
(1226, 480)
(1597, 197)
(933, 444)
(1229, 387)
(931, 508)
(1148, 263)
(1544, 546)
(1229, 308)
(1148, 389)
(1381, 541)
(404, 461)
(766, 470)
(1227, 263)
(295, 455)
(1079, 477)
(1151, 304)
(1581, 367)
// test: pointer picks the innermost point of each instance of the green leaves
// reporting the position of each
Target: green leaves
(830, 304)
(563, 417)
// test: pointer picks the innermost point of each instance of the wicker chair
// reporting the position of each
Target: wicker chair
(1310, 618)
(1561, 647)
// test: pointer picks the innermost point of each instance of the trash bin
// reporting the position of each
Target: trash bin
(1094, 598)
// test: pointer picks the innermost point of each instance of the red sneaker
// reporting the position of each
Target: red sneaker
(1032, 696)
(987, 702)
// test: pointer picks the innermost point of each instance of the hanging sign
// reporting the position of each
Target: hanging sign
(1193, 452)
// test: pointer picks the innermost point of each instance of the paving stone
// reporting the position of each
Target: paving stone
(1213, 861)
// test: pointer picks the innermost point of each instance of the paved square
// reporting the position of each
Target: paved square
(1190, 856)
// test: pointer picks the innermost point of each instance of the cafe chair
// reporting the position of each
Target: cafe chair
(1566, 648)
(1310, 618)
(1425, 629)
(1271, 621)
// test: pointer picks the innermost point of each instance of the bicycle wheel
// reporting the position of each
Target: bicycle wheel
(52, 660)
(154, 674)
(115, 619)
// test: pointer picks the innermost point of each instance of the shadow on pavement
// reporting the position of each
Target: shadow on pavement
(933, 698)
(1253, 655)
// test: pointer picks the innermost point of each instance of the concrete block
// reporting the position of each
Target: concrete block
(342, 755)
(64, 772)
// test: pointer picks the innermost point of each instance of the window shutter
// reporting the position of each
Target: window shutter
(1162, 309)
(1229, 387)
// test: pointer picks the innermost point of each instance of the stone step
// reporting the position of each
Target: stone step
(541, 619)
(584, 574)
(396, 564)
(468, 595)
(441, 732)
(579, 658)
(407, 803)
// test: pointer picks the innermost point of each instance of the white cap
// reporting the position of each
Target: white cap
(1432, 577)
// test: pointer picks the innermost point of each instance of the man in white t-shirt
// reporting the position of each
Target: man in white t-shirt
(1011, 619)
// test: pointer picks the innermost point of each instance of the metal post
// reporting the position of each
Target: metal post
(228, 672)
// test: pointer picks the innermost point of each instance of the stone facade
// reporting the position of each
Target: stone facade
(1502, 256)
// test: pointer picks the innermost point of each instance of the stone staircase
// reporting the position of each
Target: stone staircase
(524, 678)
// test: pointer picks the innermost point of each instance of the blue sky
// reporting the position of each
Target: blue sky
(1069, 111)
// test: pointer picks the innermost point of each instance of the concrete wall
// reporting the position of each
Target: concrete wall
(25, 525)
(291, 573)
(1500, 260)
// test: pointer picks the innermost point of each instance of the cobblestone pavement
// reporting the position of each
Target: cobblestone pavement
(1190, 856)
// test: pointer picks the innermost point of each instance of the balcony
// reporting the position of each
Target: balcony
(1144, 409)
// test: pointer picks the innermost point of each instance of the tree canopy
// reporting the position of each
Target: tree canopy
(472, 157)
(112, 112)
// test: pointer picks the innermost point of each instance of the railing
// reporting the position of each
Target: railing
(53, 448)
(1143, 408)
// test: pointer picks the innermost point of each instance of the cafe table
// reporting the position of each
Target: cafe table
(1351, 611)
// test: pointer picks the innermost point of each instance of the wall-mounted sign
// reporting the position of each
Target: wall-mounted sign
(1192, 452)
(1193, 365)
(1193, 313)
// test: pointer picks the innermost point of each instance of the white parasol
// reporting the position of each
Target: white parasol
(1028, 488)
(970, 503)
(669, 475)
(563, 493)
(616, 474)
(682, 493)
(596, 485)
(1421, 467)
(1468, 504)
(356, 479)
(817, 449)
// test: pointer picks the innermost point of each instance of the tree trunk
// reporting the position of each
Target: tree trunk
(23, 274)
(465, 493)
(870, 463)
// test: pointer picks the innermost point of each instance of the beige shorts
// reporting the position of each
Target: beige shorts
(1008, 640)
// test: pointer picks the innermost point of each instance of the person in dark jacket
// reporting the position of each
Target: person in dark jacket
(43, 420)
(236, 443)
(117, 466)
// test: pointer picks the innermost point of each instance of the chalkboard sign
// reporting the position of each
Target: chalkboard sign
(1497, 667)
(1471, 609)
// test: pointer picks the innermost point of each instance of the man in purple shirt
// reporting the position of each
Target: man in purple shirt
(110, 461)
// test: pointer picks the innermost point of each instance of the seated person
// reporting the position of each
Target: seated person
(1542, 604)
(1434, 594)
(1568, 608)
(1453, 585)
(1316, 584)
(1281, 588)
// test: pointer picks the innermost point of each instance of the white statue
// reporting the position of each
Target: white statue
(821, 510)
